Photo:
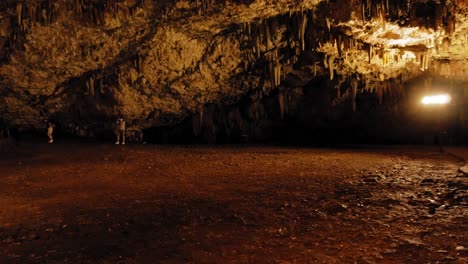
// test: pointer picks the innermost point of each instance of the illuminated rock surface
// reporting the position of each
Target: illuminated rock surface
(83, 62)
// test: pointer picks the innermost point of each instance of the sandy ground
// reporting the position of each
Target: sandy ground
(71, 203)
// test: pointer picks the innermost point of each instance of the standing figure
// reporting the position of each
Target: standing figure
(50, 131)
(120, 130)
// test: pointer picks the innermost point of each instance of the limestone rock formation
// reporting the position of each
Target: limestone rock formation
(83, 62)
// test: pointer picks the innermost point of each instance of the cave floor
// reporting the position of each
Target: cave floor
(89, 203)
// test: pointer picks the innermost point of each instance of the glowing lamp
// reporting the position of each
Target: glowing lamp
(439, 99)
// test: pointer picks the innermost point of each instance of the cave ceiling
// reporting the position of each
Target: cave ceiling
(157, 62)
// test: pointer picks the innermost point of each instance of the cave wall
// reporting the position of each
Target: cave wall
(313, 115)
(241, 64)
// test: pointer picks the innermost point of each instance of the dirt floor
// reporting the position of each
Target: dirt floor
(71, 203)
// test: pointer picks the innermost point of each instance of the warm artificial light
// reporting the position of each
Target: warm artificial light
(440, 99)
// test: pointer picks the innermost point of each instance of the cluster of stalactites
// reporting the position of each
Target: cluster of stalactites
(238, 118)
(95, 10)
(428, 14)
(23, 16)
(453, 69)
(204, 6)
(278, 42)
(211, 119)
(374, 81)
(384, 57)
(339, 46)
(371, 9)
(341, 50)
(29, 12)
(94, 83)
(388, 91)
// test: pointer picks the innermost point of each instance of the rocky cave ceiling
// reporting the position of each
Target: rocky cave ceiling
(158, 62)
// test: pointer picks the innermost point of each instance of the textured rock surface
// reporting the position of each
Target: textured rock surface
(231, 205)
(83, 62)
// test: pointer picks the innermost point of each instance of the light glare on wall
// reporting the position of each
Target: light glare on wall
(439, 99)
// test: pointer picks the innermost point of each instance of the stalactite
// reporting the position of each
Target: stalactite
(386, 57)
(338, 91)
(19, 14)
(266, 87)
(383, 20)
(91, 85)
(328, 23)
(102, 89)
(380, 93)
(267, 35)
(137, 62)
(427, 60)
(32, 12)
(363, 12)
(298, 51)
(354, 86)
(385, 87)
(315, 68)
(381, 76)
(282, 102)
(277, 69)
(111, 4)
(339, 45)
(424, 60)
(302, 30)
(331, 66)
(257, 47)
(79, 6)
(44, 17)
(346, 44)
(451, 22)
(87, 86)
(370, 52)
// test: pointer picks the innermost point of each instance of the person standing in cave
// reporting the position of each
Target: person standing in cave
(120, 130)
(50, 131)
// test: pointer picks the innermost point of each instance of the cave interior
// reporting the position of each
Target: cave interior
(222, 71)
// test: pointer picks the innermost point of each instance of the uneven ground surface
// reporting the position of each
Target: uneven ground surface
(70, 203)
